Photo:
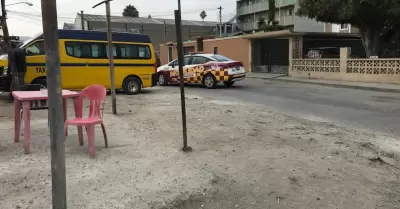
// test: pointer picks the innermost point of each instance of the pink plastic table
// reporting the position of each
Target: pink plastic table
(23, 99)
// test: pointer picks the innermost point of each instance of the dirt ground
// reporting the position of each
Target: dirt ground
(244, 156)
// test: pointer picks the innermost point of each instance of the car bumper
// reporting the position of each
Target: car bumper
(237, 77)
(154, 79)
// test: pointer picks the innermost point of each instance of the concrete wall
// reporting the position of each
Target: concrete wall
(233, 47)
(345, 69)
(157, 31)
(164, 48)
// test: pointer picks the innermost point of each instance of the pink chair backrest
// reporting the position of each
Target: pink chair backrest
(96, 94)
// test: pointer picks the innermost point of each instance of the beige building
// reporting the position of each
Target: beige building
(267, 52)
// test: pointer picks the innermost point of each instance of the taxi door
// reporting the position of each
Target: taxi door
(35, 61)
(173, 67)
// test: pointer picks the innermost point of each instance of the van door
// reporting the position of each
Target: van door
(35, 61)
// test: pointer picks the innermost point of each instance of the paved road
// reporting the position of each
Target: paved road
(369, 110)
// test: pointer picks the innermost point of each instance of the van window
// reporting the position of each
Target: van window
(100, 50)
(36, 48)
(85, 50)
(134, 51)
(97, 50)
(114, 50)
(74, 49)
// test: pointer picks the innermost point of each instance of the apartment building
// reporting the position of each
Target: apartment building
(249, 12)
(340, 28)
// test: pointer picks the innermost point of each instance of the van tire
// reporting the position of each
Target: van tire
(40, 81)
(209, 81)
(132, 86)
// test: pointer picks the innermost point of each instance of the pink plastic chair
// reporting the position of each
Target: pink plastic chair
(96, 95)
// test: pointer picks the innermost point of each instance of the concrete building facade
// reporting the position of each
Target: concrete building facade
(249, 12)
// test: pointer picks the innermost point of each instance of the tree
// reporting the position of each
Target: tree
(262, 25)
(203, 15)
(6, 44)
(377, 20)
(130, 11)
(271, 11)
(149, 16)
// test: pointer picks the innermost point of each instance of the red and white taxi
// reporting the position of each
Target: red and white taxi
(207, 69)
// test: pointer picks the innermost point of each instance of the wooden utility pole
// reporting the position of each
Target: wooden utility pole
(82, 21)
(220, 21)
(178, 24)
(56, 116)
(110, 54)
(6, 36)
(165, 32)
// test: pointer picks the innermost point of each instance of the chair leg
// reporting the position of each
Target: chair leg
(21, 123)
(105, 135)
(65, 130)
(91, 141)
(80, 138)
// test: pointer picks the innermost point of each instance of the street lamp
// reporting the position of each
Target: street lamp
(21, 2)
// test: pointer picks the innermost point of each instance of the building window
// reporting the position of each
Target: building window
(344, 26)
(290, 11)
(215, 50)
(170, 51)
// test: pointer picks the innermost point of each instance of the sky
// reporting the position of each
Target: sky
(24, 20)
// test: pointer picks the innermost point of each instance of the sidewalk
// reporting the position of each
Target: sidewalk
(340, 84)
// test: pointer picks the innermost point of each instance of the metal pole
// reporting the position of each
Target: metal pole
(111, 58)
(110, 54)
(56, 116)
(178, 24)
(82, 21)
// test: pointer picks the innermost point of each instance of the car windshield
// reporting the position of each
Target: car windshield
(221, 58)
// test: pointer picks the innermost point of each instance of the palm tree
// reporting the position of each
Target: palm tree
(203, 15)
(130, 11)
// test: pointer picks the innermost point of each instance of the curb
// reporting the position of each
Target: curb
(368, 88)
(278, 76)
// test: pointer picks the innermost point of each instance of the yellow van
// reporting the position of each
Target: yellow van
(84, 60)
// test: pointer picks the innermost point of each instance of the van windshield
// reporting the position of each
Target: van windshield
(21, 46)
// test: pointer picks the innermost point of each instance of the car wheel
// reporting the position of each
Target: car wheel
(132, 86)
(229, 83)
(209, 81)
(40, 81)
(162, 79)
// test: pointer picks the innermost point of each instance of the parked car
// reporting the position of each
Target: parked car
(206, 69)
